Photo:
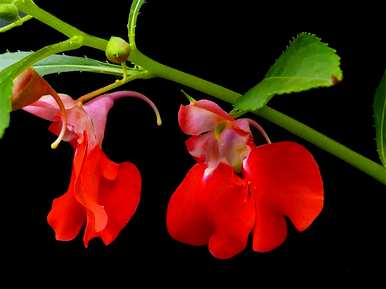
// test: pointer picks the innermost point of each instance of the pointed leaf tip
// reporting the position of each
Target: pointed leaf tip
(306, 63)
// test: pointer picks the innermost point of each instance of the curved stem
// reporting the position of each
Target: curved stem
(356, 160)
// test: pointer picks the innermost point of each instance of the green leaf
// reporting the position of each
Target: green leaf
(306, 63)
(380, 119)
(5, 106)
(62, 63)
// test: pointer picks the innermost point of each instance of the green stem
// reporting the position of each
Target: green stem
(30, 8)
(356, 160)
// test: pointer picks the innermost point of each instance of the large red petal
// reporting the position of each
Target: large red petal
(115, 188)
(231, 210)
(187, 219)
(216, 211)
(120, 198)
(285, 181)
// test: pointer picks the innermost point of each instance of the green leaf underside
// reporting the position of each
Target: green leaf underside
(380, 119)
(62, 63)
(306, 63)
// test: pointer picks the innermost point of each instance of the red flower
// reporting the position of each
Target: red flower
(237, 188)
(102, 195)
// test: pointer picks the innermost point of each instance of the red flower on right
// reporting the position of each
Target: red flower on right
(237, 188)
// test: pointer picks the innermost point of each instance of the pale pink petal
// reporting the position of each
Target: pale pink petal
(200, 117)
(78, 122)
(205, 149)
(97, 110)
(213, 157)
(213, 107)
(233, 147)
(47, 108)
(197, 145)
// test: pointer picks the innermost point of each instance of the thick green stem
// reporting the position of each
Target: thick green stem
(30, 8)
(356, 160)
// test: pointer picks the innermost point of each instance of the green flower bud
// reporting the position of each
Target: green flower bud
(117, 50)
(9, 12)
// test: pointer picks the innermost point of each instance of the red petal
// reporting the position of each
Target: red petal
(115, 188)
(201, 116)
(120, 199)
(270, 229)
(66, 217)
(232, 212)
(89, 231)
(217, 211)
(109, 169)
(285, 181)
(187, 219)
(87, 188)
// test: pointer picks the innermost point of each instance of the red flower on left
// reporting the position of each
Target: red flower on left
(102, 195)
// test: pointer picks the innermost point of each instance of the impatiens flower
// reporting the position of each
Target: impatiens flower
(237, 188)
(102, 195)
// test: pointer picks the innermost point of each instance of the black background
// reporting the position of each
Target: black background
(232, 44)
